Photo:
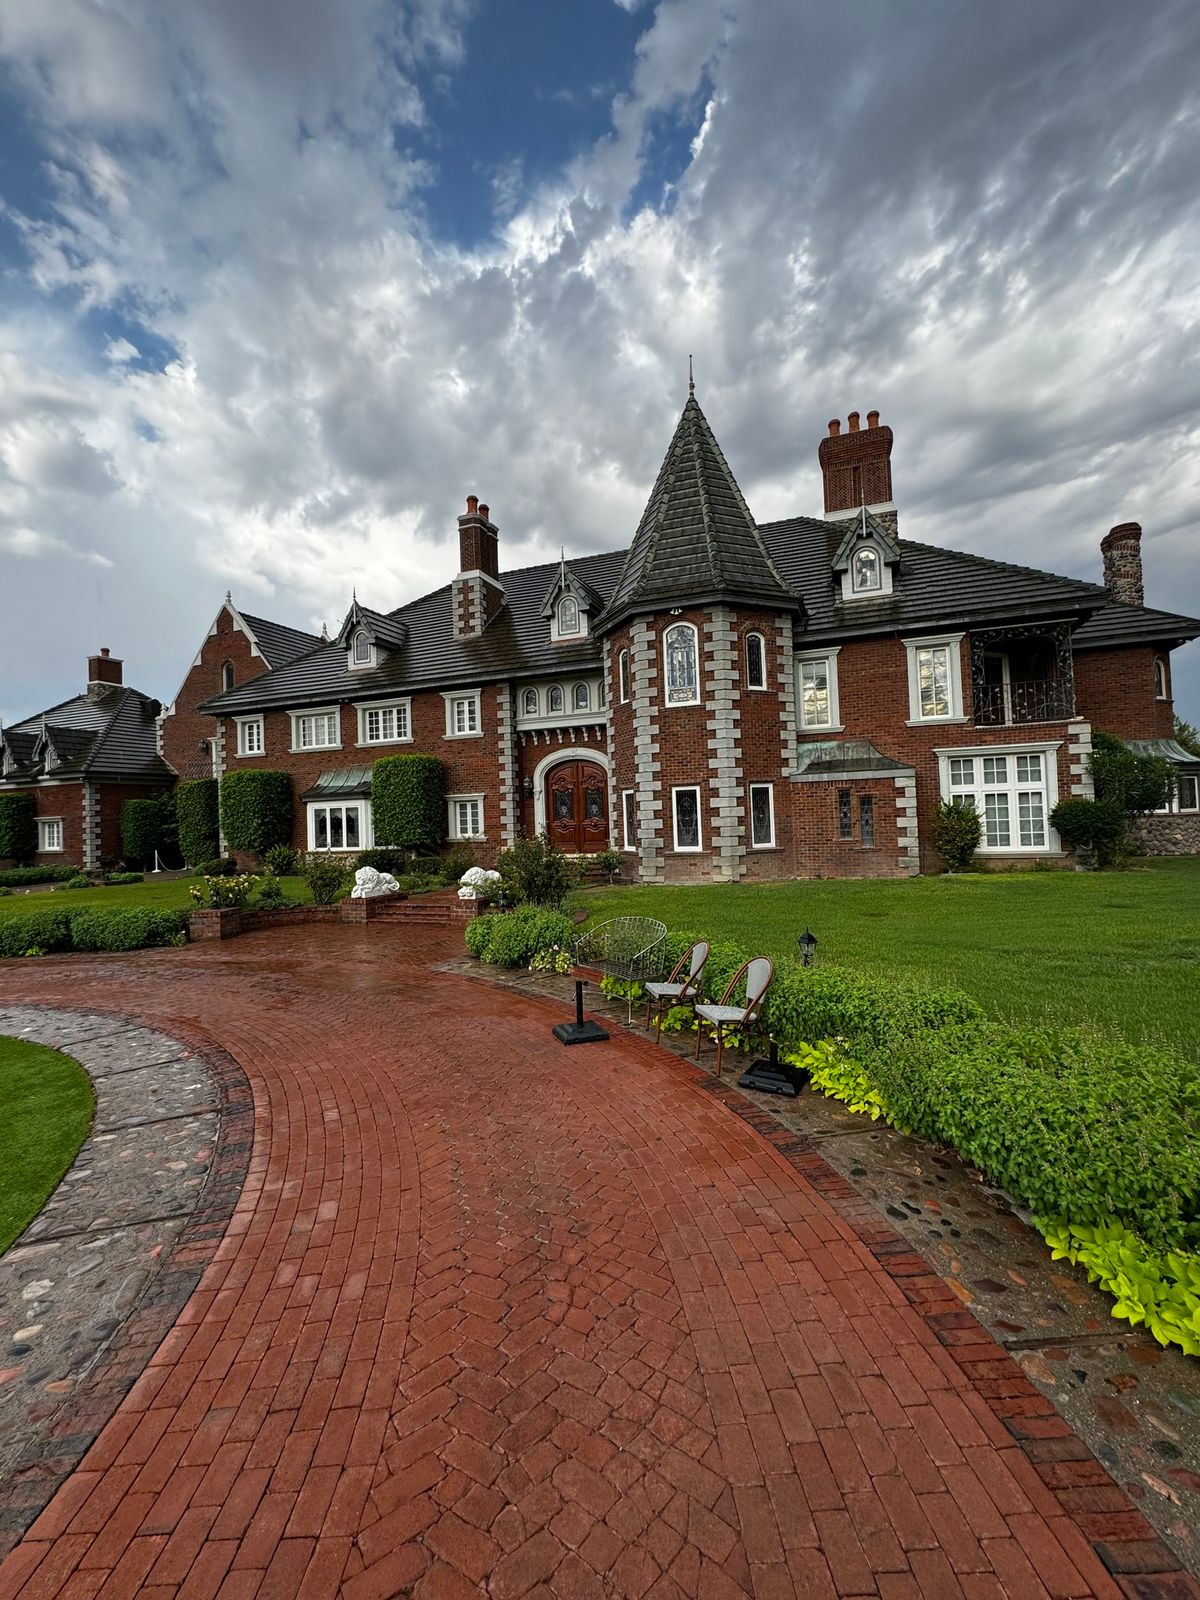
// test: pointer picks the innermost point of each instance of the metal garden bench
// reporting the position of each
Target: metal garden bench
(629, 948)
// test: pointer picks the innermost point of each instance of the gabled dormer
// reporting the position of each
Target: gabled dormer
(570, 606)
(866, 560)
(369, 637)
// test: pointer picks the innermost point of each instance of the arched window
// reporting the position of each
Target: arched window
(530, 704)
(756, 661)
(601, 695)
(581, 697)
(1160, 678)
(866, 569)
(568, 614)
(623, 676)
(362, 648)
(681, 661)
(554, 698)
(226, 676)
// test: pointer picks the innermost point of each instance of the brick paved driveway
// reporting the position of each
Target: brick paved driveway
(497, 1317)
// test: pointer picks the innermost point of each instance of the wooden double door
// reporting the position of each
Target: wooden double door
(577, 807)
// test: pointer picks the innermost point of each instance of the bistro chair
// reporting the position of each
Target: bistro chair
(679, 989)
(758, 976)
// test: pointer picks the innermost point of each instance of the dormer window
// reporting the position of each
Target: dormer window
(362, 649)
(568, 616)
(865, 570)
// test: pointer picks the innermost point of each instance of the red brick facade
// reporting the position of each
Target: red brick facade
(1116, 691)
(187, 734)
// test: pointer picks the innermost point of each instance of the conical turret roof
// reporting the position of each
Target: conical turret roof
(697, 541)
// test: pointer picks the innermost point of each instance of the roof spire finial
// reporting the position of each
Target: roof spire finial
(325, 633)
(691, 380)
(229, 597)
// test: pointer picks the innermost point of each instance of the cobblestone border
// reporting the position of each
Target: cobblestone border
(59, 1438)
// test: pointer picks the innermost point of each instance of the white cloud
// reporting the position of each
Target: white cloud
(986, 233)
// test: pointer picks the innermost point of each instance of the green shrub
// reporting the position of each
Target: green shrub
(956, 832)
(18, 827)
(514, 938)
(223, 890)
(1138, 784)
(125, 877)
(456, 861)
(386, 859)
(1094, 829)
(256, 810)
(408, 801)
(4, 893)
(21, 877)
(270, 894)
(1071, 1122)
(43, 931)
(219, 867)
(79, 881)
(326, 878)
(282, 861)
(134, 928)
(149, 825)
(198, 818)
(609, 862)
(535, 872)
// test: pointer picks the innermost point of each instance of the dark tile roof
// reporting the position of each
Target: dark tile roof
(279, 643)
(110, 733)
(385, 629)
(697, 540)
(1118, 624)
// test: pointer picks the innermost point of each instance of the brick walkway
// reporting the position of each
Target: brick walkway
(495, 1317)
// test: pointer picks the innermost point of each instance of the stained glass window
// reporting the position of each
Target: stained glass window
(682, 666)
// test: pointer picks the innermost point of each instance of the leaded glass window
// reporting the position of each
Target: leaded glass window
(682, 665)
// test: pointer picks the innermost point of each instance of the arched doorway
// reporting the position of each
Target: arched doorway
(577, 806)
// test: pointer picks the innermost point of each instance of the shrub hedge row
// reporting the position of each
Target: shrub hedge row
(148, 824)
(197, 810)
(514, 938)
(45, 932)
(18, 830)
(408, 801)
(21, 877)
(256, 810)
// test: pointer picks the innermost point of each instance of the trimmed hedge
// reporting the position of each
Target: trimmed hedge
(256, 810)
(46, 932)
(19, 877)
(147, 825)
(408, 801)
(18, 829)
(198, 813)
(513, 938)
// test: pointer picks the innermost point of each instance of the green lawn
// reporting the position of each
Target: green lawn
(156, 896)
(1121, 949)
(47, 1101)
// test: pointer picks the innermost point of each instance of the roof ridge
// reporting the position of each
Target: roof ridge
(103, 733)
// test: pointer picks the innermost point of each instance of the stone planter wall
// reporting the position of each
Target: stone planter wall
(1176, 834)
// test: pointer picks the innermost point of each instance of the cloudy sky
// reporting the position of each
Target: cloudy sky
(283, 280)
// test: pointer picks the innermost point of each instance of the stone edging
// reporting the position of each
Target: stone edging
(127, 1234)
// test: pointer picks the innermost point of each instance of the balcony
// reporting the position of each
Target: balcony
(1022, 675)
(1007, 705)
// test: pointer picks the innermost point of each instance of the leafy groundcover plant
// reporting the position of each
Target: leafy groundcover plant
(1098, 1138)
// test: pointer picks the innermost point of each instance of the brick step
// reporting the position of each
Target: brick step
(408, 912)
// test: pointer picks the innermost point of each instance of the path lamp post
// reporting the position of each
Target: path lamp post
(808, 947)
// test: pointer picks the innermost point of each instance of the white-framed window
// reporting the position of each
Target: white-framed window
(1160, 678)
(623, 676)
(316, 730)
(249, 736)
(568, 616)
(817, 691)
(226, 676)
(1013, 791)
(388, 722)
(865, 568)
(685, 817)
(554, 699)
(581, 697)
(755, 651)
(628, 820)
(762, 816)
(50, 833)
(1186, 796)
(531, 703)
(681, 665)
(465, 815)
(339, 825)
(935, 679)
(463, 719)
(362, 650)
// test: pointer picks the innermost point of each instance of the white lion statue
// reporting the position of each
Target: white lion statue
(368, 884)
(473, 880)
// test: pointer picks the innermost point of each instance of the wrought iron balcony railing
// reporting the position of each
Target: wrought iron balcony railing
(1005, 705)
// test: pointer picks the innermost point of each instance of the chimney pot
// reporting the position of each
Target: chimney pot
(852, 419)
(872, 419)
(484, 512)
(104, 668)
(1121, 548)
(835, 427)
(472, 504)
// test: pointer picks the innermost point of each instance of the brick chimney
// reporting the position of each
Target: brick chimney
(103, 670)
(1121, 548)
(477, 593)
(857, 468)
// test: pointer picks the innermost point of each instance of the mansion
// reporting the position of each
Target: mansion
(719, 700)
